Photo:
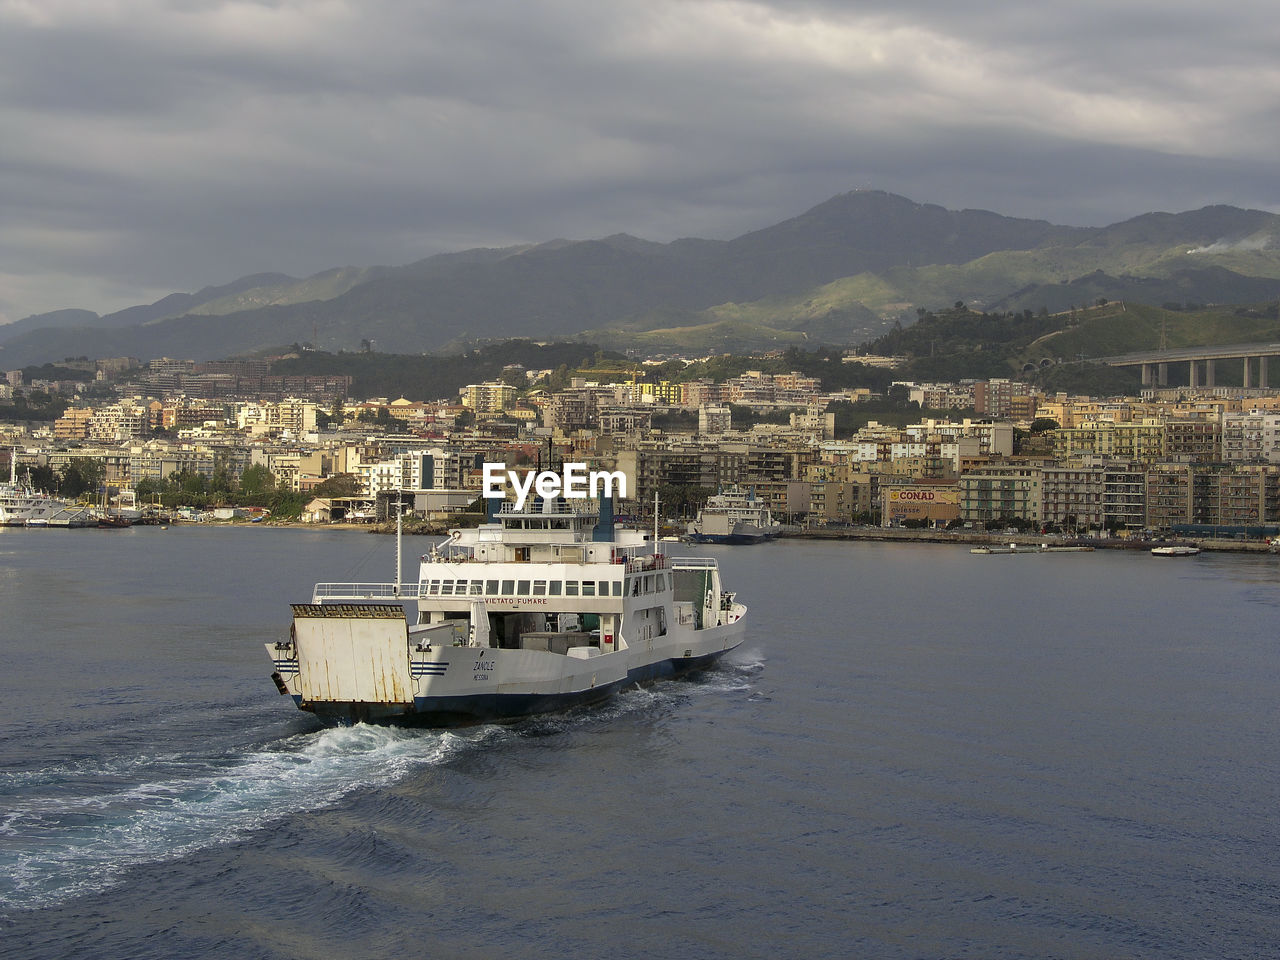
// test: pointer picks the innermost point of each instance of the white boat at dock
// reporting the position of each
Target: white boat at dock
(1175, 550)
(544, 608)
(21, 506)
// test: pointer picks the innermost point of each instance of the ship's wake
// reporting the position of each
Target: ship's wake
(734, 676)
(72, 829)
(76, 829)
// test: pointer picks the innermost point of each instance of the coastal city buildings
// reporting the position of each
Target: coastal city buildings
(984, 454)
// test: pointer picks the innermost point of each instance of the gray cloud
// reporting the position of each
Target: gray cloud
(151, 146)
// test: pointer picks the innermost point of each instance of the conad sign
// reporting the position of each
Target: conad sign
(924, 497)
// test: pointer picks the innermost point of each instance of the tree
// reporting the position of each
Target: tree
(42, 477)
(682, 499)
(146, 488)
(256, 483)
(222, 486)
(80, 476)
(194, 486)
(339, 485)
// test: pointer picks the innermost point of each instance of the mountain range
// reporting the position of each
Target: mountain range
(841, 273)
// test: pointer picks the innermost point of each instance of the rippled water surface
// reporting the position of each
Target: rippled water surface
(917, 753)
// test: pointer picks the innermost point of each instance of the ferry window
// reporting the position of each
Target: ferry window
(659, 582)
(434, 587)
(477, 587)
(588, 588)
(491, 587)
(539, 588)
(648, 584)
(604, 588)
(635, 587)
(554, 588)
(522, 588)
(508, 588)
(446, 588)
(571, 588)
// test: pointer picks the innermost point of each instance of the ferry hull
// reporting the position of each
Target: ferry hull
(474, 709)
(438, 687)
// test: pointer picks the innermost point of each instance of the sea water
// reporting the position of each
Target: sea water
(916, 753)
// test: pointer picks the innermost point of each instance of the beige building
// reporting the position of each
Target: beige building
(73, 424)
(488, 399)
(936, 504)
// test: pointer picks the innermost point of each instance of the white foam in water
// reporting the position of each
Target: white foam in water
(75, 829)
(54, 847)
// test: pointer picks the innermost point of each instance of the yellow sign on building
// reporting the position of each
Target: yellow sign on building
(931, 503)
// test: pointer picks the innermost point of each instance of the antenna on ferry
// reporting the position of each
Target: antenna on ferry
(399, 522)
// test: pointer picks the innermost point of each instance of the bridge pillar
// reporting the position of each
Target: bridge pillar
(1208, 371)
(1162, 374)
(1262, 372)
(1147, 370)
(1247, 374)
(1193, 378)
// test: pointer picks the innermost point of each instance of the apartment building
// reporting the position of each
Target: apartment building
(996, 493)
(1072, 495)
(1250, 437)
(488, 399)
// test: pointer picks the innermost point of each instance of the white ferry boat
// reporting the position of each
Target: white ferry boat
(20, 505)
(733, 517)
(545, 608)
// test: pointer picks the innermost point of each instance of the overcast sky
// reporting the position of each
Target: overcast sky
(153, 146)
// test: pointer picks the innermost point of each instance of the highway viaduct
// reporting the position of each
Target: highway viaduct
(1202, 363)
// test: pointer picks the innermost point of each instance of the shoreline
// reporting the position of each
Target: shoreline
(892, 535)
(897, 535)
(879, 534)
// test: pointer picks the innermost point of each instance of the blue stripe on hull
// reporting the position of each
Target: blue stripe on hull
(460, 711)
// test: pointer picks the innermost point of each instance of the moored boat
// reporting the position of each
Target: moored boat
(733, 517)
(545, 608)
(1177, 550)
(20, 505)
(1029, 548)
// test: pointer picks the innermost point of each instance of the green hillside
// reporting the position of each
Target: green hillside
(1054, 349)
(322, 286)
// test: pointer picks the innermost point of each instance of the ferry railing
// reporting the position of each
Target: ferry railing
(650, 561)
(329, 592)
(694, 563)
(536, 507)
